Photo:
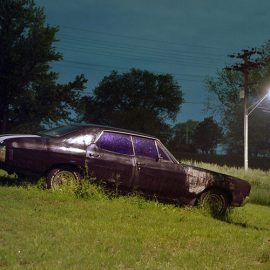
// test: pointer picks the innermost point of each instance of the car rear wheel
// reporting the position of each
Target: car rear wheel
(59, 177)
(215, 202)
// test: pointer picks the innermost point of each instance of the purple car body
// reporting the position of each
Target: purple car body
(137, 162)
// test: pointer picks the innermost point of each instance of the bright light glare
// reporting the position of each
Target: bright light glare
(268, 93)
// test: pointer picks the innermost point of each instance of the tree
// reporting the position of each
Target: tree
(207, 135)
(226, 104)
(30, 95)
(182, 137)
(137, 100)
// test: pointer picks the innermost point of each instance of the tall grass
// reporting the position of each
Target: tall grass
(262, 163)
(259, 180)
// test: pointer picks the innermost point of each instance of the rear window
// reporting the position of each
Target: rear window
(117, 143)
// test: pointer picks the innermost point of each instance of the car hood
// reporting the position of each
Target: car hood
(199, 179)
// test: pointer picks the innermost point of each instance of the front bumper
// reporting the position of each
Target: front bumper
(240, 192)
(239, 200)
(245, 201)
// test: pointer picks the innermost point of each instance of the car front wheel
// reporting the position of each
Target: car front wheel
(215, 201)
(59, 177)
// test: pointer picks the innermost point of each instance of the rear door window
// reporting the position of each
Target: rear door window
(145, 147)
(115, 142)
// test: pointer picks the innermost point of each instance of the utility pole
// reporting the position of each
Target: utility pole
(245, 67)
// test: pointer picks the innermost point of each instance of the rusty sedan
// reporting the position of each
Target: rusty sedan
(135, 161)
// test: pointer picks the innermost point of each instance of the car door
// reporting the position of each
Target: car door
(111, 159)
(157, 173)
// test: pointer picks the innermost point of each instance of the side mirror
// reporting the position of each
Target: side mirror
(93, 151)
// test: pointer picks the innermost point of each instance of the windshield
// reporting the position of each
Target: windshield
(60, 131)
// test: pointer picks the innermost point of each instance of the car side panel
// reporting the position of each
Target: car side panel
(160, 178)
(26, 156)
(112, 168)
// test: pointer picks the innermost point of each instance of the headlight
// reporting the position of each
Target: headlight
(2, 153)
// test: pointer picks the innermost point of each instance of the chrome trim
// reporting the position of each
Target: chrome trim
(245, 200)
(129, 133)
(2, 153)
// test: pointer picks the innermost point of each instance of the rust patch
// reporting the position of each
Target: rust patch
(199, 179)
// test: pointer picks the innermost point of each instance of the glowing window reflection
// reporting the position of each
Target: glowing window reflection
(145, 147)
(118, 143)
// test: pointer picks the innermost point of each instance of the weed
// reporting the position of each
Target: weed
(86, 189)
(41, 183)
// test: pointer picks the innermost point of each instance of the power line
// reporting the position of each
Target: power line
(146, 58)
(142, 38)
(184, 102)
(84, 44)
(84, 40)
(110, 68)
(90, 44)
(138, 53)
(143, 53)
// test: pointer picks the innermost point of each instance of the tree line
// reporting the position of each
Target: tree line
(31, 97)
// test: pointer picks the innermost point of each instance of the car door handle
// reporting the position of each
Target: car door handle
(94, 155)
(140, 164)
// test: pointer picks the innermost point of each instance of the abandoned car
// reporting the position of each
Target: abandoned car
(135, 161)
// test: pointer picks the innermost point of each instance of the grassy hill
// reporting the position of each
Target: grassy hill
(41, 229)
(46, 230)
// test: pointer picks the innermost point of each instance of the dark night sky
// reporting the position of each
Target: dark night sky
(189, 39)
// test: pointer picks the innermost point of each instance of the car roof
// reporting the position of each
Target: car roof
(109, 128)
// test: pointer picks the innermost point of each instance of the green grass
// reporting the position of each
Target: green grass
(86, 229)
(259, 180)
(54, 230)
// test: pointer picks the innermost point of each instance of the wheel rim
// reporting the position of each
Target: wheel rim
(215, 203)
(62, 178)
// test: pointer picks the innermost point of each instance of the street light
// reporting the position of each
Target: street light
(247, 112)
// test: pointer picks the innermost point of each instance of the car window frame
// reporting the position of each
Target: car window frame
(115, 132)
(171, 156)
(166, 152)
(159, 155)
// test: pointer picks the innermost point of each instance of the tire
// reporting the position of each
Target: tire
(215, 202)
(60, 176)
